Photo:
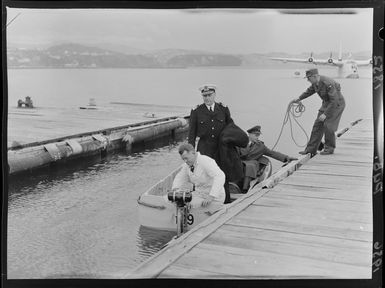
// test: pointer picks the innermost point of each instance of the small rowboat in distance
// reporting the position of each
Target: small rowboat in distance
(157, 213)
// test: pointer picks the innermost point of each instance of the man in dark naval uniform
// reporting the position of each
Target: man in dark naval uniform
(329, 115)
(207, 122)
(251, 156)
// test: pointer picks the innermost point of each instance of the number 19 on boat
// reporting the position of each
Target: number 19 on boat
(182, 216)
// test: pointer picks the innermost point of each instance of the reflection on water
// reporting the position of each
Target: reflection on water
(151, 241)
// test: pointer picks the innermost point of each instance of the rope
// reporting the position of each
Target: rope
(295, 110)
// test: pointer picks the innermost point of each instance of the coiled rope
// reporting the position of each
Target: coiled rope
(295, 110)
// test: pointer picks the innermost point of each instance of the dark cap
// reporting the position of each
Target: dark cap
(311, 72)
(255, 129)
(207, 89)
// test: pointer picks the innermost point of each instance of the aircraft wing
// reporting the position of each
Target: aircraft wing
(293, 60)
(310, 60)
(364, 62)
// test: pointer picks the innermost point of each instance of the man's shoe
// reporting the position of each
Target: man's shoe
(307, 152)
(327, 152)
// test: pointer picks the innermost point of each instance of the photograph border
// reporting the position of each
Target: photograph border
(377, 179)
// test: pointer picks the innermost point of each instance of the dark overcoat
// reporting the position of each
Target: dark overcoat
(208, 126)
(229, 159)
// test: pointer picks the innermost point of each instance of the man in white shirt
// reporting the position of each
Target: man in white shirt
(202, 172)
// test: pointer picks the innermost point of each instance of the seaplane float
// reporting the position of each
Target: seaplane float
(163, 209)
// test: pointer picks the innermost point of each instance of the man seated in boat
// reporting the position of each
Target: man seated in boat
(252, 159)
(204, 174)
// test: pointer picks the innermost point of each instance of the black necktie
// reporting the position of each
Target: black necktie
(192, 168)
(211, 109)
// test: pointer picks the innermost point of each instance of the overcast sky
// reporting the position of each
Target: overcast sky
(228, 31)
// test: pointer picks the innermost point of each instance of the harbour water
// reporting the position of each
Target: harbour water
(80, 221)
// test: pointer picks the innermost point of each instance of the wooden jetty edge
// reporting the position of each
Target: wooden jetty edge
(315, 224)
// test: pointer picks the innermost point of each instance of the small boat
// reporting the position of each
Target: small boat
(297, 73)
(25, 104)
(149, 115)
(157, 213)
(91, 105)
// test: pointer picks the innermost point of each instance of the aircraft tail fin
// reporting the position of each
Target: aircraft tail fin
(340, 53)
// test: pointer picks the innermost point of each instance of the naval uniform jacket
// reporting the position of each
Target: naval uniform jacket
(251, 157)
(207, 126)
(333, 103)
(207, 178)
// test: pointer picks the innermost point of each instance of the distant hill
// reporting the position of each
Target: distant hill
(73, 55)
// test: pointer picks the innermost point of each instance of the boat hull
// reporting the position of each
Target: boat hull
(156, 212)
(162, 215)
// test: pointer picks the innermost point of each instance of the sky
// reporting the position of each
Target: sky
(215, 30)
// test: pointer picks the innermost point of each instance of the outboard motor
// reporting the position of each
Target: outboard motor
(181, 198)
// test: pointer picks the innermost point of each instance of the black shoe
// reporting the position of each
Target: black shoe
(307, 152)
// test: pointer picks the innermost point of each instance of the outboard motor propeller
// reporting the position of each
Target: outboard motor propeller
(181, 198)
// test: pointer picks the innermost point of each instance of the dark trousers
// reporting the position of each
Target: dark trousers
(227, 191)
(321, 128)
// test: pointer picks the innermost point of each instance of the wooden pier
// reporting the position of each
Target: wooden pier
(315, 223)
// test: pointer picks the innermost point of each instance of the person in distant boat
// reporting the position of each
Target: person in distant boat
(329, 115)
(202, 172)
(251, 156)
(28, 102)
(207, 121)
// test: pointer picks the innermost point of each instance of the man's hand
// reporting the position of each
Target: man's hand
(289, 159)
(322, 117)
(296, 100)
(207, 201)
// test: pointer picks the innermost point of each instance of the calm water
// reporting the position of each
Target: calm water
(81, 221)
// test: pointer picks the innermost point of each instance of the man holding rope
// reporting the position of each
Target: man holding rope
(329, 115)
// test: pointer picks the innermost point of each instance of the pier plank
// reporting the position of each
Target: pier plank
(326, 193)
(325, 182)
(346, 162)
(181, 271)
(301, 228)
(322, 204)
(333, 174)
(307, 215)
(294, 238)
(254, 262)
(299, 248)
(355, 171)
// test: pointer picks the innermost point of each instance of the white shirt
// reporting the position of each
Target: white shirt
(207, 177)
(212, 107)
